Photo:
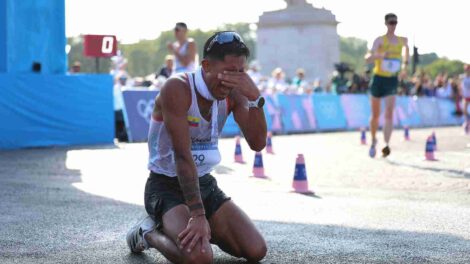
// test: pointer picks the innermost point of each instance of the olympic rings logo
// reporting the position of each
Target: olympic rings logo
(145, 109)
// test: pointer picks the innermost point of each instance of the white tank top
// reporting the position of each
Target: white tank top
(466, 87)
(178, 66)
(204, 138)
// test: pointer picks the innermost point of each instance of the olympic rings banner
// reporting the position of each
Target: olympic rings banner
(307, 113)
(137, 110)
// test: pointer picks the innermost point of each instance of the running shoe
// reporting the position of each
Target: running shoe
(372, 150)
(385, 152)
(135, 236)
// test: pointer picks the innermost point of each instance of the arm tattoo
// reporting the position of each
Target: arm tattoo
(191, 193)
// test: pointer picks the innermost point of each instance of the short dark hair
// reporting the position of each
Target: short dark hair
(390, 15)
(219, 51)
(181, 25)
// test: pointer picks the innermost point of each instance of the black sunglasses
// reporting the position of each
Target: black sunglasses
(392, 23)
(224, 38)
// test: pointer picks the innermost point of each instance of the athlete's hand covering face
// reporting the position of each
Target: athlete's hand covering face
(241, 81)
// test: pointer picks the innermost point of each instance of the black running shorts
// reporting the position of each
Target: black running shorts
(163, 193)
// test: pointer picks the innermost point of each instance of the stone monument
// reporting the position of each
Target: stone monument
(299, 36)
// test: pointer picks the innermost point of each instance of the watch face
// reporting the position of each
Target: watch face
(261, 102)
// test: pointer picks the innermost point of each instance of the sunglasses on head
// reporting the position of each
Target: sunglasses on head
(392, 22)
(224, 38)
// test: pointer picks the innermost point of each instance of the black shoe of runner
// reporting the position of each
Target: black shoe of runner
(386, 151)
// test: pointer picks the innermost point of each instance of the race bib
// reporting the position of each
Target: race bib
(391, 66)
(205, 155)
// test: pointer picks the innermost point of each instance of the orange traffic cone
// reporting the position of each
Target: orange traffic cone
(429, 151)
(434, 140)
(269, 143)
(363, 136)
(300, 182)
(258, 168)
(238, 151)
(407, 133)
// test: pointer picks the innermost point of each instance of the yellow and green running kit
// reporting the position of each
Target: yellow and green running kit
(385, 80)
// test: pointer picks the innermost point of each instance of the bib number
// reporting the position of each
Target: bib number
(199, 159)
(391, 66)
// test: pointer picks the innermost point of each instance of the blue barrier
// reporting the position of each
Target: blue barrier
(273, 114)
(44, 110)
(35, 33)
(407, 111)
(446, 116)
(328, 112)
(308, 113)
(138, 107)
(3, 36)
(297, 113)
(428, 111)
(357, 110)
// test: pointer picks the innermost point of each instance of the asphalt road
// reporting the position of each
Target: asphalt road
(75, 205)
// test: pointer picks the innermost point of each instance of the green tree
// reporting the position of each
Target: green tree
(427, 58)
(444, 65)
(141, 57)
(147, 56)
(352, 52)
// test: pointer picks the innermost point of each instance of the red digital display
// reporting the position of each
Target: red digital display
(99, 46)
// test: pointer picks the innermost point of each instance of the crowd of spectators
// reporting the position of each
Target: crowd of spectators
(419, 84)
(341, 82)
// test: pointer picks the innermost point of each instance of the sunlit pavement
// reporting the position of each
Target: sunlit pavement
(75, 205)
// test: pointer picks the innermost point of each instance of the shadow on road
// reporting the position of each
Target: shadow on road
(455, 173)
(44, 219)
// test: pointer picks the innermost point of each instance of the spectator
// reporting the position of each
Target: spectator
(184, 49)
(364, 81)
(465, 87)
(277, 82)
(339, 84)
(167, 70)
(443, 91)
(120, 128)
(254, 73)
(299, 79)
(317, 88)
(76, 67)
(428, 87)
(456, 95)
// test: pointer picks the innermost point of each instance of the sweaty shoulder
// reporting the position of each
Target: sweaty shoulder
(176, 92)
(404, 39)
(378, 42)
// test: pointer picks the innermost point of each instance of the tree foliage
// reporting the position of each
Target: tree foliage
(352, 52)
(427, 58)
(444, 65)
(147, 56)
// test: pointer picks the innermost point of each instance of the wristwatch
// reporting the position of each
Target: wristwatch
(258, 103)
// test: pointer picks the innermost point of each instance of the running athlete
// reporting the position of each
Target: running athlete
(466, 95)
(386, 54)
(187, 209)
(184, 50)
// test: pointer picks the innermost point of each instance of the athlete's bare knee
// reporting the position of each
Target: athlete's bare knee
(256, 251)
(197, 257)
